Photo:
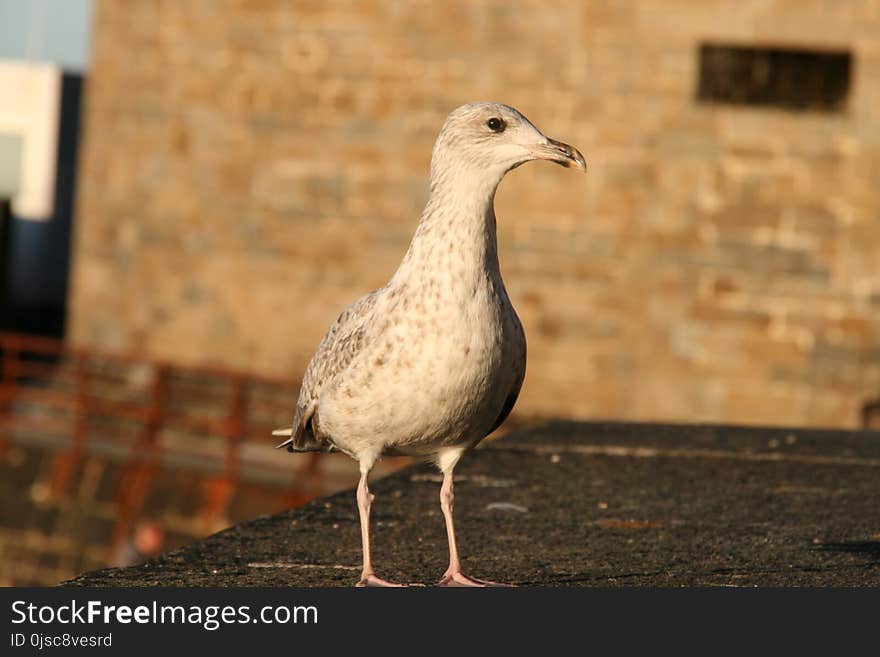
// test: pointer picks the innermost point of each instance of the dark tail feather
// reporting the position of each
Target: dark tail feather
(308, 446)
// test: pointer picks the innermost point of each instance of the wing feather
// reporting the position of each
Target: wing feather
(343, 341)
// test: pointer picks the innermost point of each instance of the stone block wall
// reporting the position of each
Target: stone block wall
(251, 167)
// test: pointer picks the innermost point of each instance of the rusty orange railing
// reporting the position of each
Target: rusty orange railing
(79, 400)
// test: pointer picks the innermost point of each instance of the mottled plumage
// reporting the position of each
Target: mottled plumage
(434, 361)
(342, 343)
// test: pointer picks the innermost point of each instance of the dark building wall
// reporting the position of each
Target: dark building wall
(38, 255)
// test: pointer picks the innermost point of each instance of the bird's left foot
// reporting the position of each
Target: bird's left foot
(370, 579)
(460, 579)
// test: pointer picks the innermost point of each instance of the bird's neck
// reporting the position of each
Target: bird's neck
(455, 244)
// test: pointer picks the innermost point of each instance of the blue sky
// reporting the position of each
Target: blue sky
(46, 30)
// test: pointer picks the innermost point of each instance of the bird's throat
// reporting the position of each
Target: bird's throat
(455, 244)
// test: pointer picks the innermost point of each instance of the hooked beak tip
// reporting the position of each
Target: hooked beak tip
(562, 153)
(577, 161)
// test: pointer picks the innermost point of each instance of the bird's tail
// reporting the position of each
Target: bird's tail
(309, 445)
(284, 432)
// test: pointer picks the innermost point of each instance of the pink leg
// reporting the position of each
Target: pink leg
(453, 575)
(365, 498)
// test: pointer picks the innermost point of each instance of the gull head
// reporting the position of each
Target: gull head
(495, 138)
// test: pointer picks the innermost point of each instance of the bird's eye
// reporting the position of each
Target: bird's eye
(496, 125)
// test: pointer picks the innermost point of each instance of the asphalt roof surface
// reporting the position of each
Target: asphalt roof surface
(581, 504)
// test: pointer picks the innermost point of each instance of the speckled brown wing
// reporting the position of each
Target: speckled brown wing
(343, 341)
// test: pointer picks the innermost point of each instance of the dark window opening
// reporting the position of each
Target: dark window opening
(776, 77)
(871, 415)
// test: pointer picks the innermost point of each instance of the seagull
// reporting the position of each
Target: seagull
(433, 362)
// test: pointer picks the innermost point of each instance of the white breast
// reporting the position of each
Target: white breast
(434, 378)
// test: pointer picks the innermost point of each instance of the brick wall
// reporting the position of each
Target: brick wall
(250, 168)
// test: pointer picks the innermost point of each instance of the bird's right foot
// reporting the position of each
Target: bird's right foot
(370, 579)
(458, 578)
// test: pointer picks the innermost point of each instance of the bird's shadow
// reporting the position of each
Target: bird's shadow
(866, 549)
